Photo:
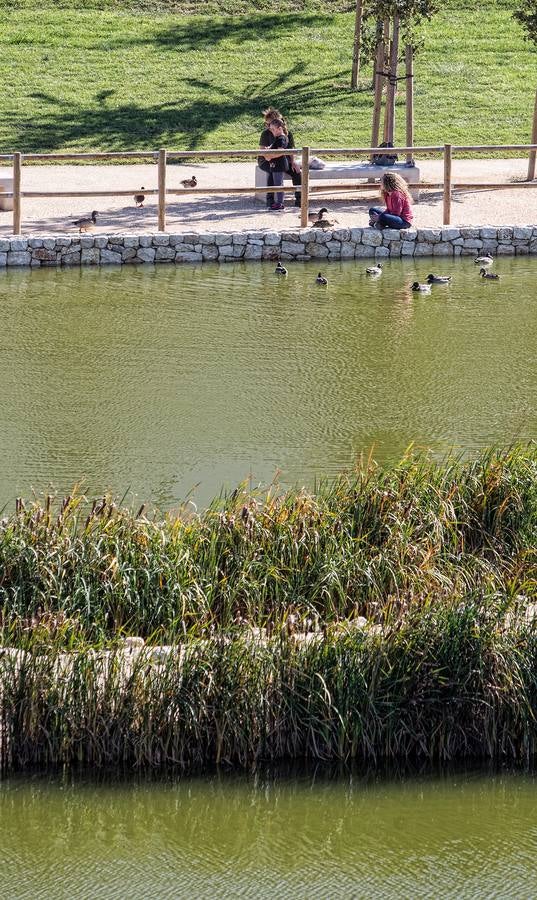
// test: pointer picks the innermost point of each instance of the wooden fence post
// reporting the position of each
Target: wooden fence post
(17, 164)
(533, 153)
(305, 187)
(162, 190)
(447, 183)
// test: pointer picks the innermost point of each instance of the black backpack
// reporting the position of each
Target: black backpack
(384, 159)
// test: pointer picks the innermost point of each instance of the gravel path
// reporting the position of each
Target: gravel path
(203, 212)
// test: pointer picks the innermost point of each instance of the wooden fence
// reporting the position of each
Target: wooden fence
(162, 157)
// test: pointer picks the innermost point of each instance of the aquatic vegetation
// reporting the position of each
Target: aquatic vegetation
(373, 544)
(447, 681)
(389, 615)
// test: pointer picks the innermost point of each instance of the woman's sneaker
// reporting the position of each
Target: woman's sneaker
(277, 206)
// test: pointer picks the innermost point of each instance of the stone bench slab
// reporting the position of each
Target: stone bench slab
(342, 171)
(6, 185)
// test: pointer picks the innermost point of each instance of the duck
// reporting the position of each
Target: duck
(374, 270)
(422, 288)
(190, 182)
(439, 279)
(321, 279)
(324, 223)
(280, 270)
(485, 260)
(139, 198)
(86, 223)
(485, 274)
(315, 216)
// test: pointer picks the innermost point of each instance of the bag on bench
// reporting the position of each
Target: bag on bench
(384, 159)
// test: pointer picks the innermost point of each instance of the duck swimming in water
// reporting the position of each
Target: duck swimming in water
(280, 270)
(485, 274)
(485, 260)
(321, 279)
(190, 182)
(439, 279)
(422, 288)
(374, 270)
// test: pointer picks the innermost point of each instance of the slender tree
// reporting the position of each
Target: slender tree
(370, 44)
(526, 14)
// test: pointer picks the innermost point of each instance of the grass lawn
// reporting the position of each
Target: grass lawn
(111, 77)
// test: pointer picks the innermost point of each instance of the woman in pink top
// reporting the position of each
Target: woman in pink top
(398, 211)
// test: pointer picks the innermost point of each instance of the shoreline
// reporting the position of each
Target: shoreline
(54, 250)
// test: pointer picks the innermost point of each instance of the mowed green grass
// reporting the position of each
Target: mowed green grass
(110, 78)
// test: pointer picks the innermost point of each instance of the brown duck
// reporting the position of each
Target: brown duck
(87, 223)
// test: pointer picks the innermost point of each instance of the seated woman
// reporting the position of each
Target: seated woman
(398, 211)
(278, 163)
(265, 140)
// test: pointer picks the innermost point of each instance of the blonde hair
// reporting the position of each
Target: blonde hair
(390, 182)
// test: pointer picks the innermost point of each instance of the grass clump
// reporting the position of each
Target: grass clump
(372, 545)
(390, 615)
(447, 682)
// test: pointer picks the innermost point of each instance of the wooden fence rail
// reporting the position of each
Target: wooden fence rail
(162, 157)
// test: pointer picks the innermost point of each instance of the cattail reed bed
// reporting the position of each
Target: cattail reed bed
(373, 544)
(388, 616)
(446, 682)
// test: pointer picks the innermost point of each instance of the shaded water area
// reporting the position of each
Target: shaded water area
(470, 834)
(160, 381)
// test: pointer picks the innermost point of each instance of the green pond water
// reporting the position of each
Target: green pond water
(161, 381)
(302, 836)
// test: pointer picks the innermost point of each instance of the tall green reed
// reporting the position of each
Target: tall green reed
(373, 543)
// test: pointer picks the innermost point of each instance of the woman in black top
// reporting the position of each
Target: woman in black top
(293, 170)
(278, 164)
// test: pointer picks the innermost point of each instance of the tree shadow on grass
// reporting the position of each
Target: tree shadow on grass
(205, 33)
(185, 124)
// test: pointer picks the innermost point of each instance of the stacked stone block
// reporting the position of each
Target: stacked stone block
(301, 244)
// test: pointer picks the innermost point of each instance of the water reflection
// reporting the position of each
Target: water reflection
(288, 834)
(155, 381)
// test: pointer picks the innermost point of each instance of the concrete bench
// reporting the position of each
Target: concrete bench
(6, 184)
(349, 171)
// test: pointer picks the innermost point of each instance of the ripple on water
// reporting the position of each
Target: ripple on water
(156, 379)
(463, 836)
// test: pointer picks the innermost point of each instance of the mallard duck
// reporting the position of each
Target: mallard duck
(190, 182)
(139, 198)
(280, 270)
(374, 270)
(423, 288)
(485, 274)
(314, 217)
(439, 279)
(324, 223)
(86, 223)
(321, 279)
(485, 260)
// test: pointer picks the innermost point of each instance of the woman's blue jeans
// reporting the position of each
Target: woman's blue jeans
(386, 219)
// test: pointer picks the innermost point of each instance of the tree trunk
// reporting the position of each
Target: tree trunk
(383, 32)
(409, 71)
(391, 91)
(357, 44)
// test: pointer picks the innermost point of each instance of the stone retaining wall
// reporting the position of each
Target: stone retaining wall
(302, 244)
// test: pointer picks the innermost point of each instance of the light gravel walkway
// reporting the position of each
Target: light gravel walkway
(203, 212)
